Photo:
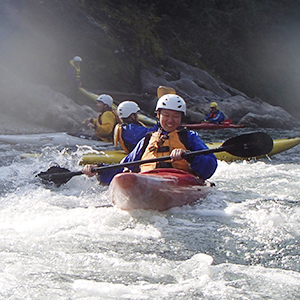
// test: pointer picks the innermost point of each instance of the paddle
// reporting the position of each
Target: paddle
(163, 90)
(246, 145)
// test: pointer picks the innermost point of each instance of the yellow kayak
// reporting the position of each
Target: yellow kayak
(142, 117)
(280, 145)
(106, 157)
(115, 156)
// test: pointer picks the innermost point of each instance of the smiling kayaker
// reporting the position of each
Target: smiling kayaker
(169, 139)
(130, 131)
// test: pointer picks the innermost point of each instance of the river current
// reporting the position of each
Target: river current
(241, 242)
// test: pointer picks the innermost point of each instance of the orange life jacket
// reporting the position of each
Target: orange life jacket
(118, 136)
(162, 145)
(212, 115)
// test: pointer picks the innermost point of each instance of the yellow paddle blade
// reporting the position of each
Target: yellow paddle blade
(163, 90)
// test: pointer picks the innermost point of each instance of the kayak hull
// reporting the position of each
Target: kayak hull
(141, 116)
(159, 189)
(105, 157)
(115, 156)
(207, 125)
(279, 146)
(58, 138)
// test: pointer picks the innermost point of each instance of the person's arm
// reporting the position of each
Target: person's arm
(207, 118)
(205, 165)
(107, 176)
(222, 117)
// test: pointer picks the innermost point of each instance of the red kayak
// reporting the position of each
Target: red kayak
(207, 125)
(158, 189)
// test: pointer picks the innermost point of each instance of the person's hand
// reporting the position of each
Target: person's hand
(90, 126)
(176, 154)
(89, 123)
(87, 170)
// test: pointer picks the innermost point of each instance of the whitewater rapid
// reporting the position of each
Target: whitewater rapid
(241, 242)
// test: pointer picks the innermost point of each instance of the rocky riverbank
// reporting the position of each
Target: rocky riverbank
(12, 125)
(33, 108)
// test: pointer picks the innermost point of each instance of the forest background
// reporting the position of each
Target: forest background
(250, 45)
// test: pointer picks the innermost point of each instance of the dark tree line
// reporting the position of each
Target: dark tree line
(251, 45)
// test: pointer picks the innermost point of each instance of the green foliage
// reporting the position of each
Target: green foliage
(249, 44)
(237, 40)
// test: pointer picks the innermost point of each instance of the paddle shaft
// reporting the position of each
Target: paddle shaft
(68, 175)
(157, 159)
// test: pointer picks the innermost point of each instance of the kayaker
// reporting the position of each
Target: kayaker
(130, 130)
(215, 115)
(105, 123)
(169, 139)
(74, 77)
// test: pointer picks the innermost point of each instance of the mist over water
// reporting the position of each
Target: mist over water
(241, 242)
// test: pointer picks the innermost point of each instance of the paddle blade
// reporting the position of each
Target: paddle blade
(56, 175)
(249, 145)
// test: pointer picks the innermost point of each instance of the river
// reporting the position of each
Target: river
(241, 242)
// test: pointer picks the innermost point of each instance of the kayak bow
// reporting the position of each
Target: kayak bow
(159, 189)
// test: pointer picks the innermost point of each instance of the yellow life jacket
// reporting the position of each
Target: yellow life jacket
(105, 124)
(162, 145)
(76, 70)
(118, 136)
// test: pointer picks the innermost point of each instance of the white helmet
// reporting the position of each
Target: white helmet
(77, 58)
(171, 101)
(106, 99)
(126, 108)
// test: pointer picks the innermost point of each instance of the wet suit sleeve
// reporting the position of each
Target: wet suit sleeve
(107, 176)
(218, 118)
(205, 165)
(207, 117)
(133, 133)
